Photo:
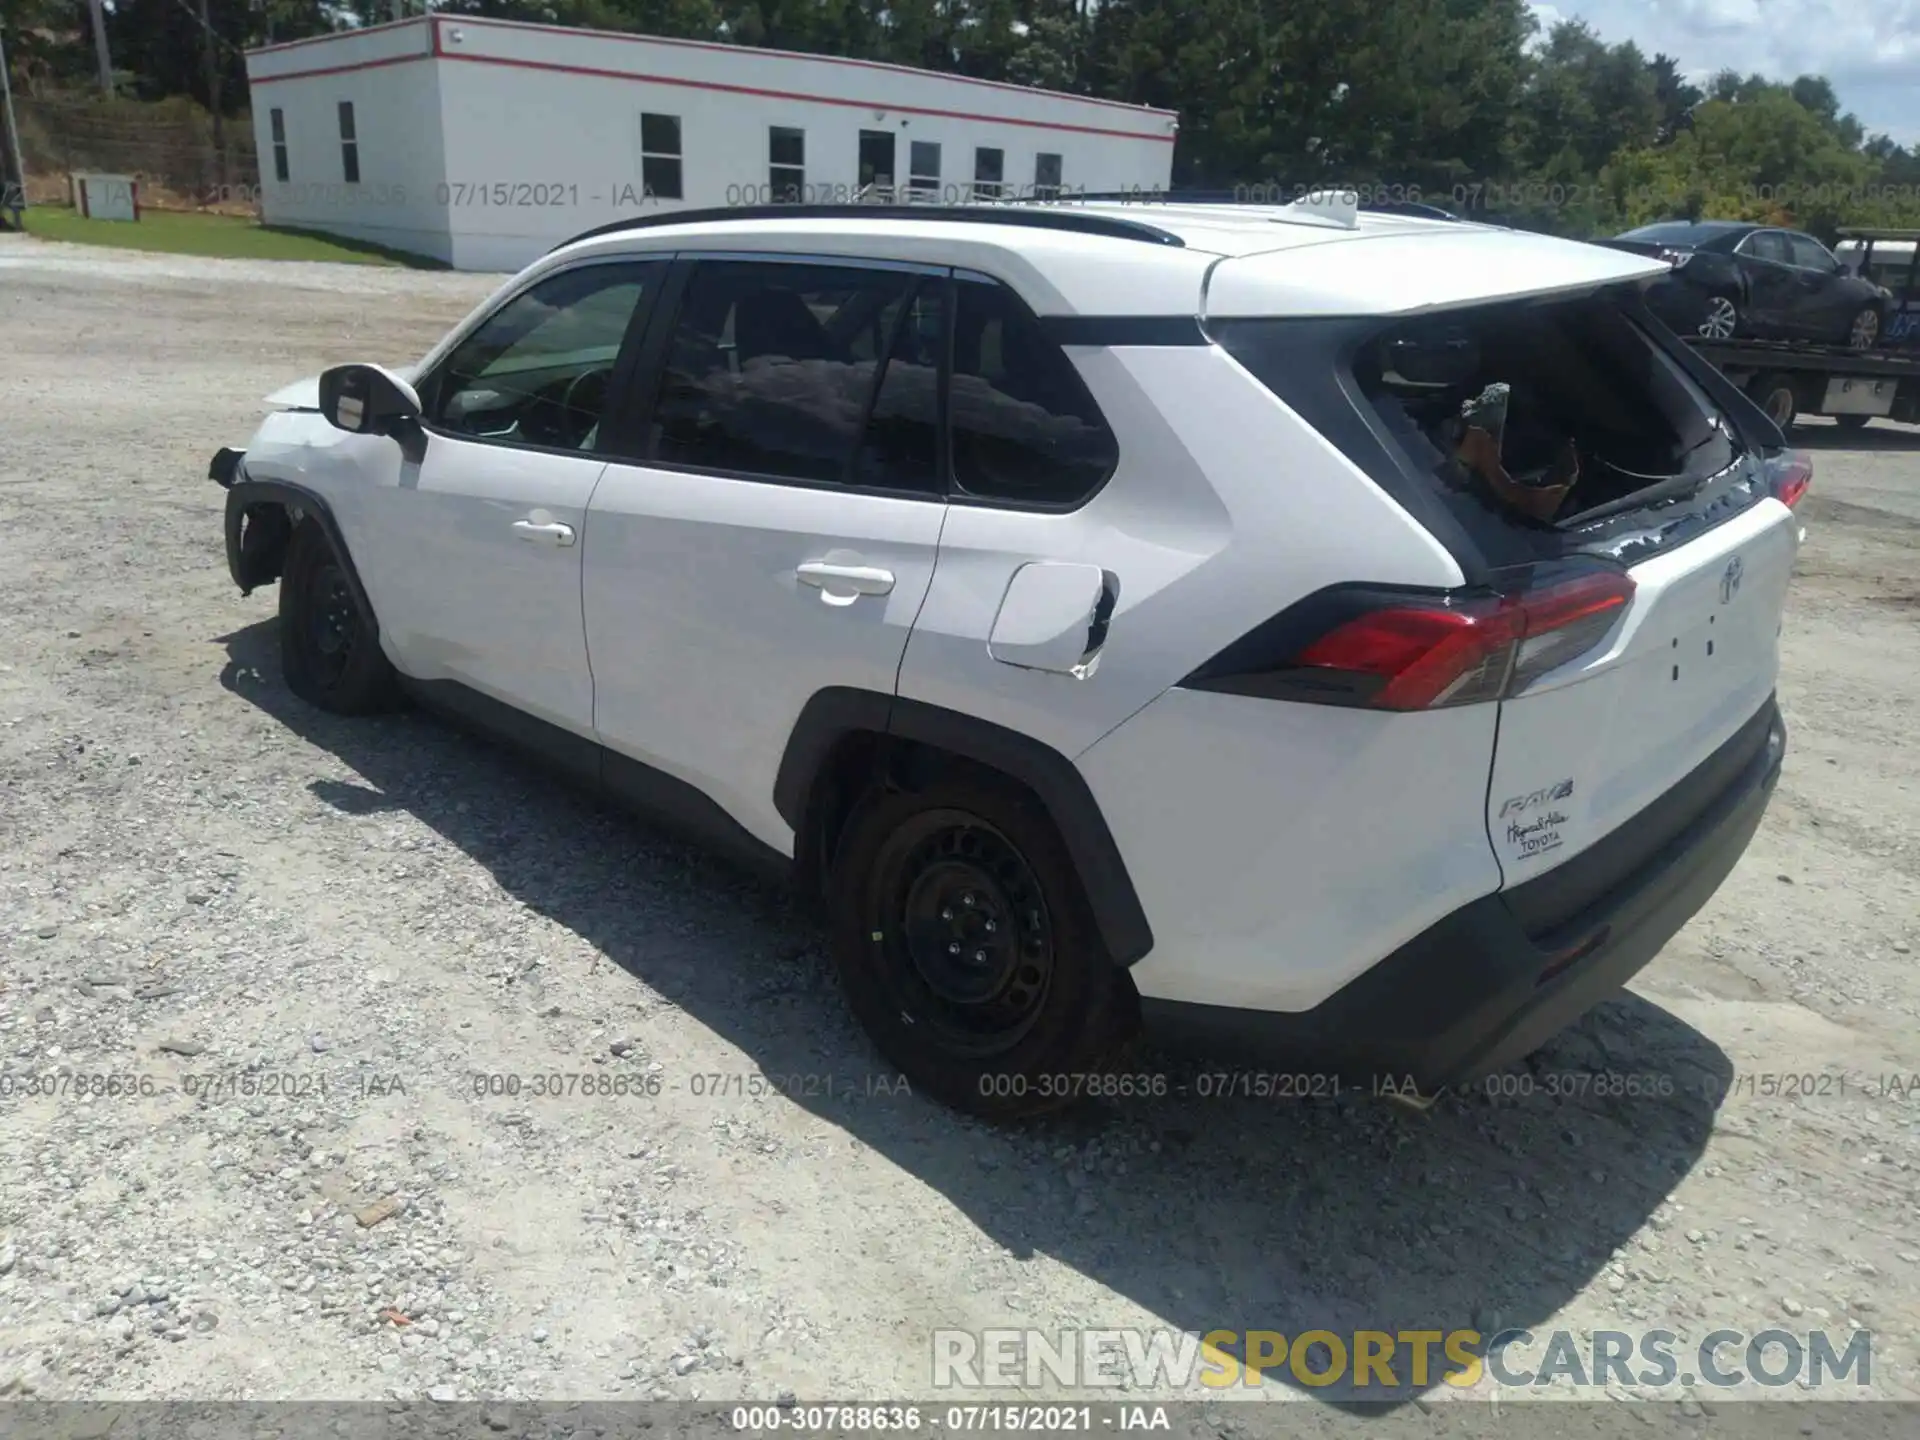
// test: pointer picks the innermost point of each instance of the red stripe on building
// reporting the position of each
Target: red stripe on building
(716, 86)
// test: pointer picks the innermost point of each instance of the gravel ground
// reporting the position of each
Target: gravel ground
(201, 877)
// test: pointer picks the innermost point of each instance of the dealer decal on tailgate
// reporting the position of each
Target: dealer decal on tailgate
(1532, 824)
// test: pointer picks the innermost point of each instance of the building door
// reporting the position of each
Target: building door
(876, 159)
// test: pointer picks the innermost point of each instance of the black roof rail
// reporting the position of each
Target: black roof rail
(1055, 217)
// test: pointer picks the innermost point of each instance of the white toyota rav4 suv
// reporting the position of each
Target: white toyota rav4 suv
(1356, 631)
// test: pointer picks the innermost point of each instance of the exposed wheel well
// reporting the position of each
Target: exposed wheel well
(260, 521)
(266, 528)
(860, 761)
(847, 740)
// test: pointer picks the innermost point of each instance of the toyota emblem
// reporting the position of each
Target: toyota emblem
(1730, 581)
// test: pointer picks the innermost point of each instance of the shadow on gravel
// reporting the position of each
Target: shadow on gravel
(1492, 1210)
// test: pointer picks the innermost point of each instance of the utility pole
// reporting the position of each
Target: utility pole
(100, 46)
(213, 95)
(13, 193)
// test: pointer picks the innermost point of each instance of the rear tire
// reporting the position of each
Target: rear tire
(329, 653)
(968, 950)
(1863, 331)
(1775, 395)
(1722, 320)
(1852, 422)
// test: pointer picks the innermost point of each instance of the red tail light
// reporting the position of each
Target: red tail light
(1418, 657)
(1792, 474)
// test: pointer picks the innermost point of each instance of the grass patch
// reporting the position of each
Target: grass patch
(230, 237)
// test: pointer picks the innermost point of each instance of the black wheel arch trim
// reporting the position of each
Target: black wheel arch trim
(248, 497)
(835, 713)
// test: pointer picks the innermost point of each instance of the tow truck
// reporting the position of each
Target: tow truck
(1790, 379)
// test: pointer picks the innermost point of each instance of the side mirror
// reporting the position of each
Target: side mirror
(368, 400)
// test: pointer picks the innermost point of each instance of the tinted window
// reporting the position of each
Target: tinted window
(1681, 232)
(536, 370)
(1809, 252)
(771, 367)
(1024, 426)
(901, 447)
(1767, 245)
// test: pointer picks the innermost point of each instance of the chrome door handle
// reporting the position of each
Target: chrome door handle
(553, 534)
(860, 579)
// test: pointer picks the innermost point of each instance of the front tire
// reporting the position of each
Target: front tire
(968, 951)
(329, 652)
(1852, 422)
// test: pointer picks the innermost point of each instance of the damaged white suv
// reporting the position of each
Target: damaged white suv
(1356, 631)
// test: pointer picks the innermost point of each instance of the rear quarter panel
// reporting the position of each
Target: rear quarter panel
(1281, 849)
(1225, 508)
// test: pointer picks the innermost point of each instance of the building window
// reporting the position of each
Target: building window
(1046, 176)
(923, 169)
(989, 169)
(786, 165)
(277, 121)
(660, 156)
(349, 145)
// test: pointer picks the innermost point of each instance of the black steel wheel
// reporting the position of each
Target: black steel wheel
(329, 646)
(967, 949)
(968, 918)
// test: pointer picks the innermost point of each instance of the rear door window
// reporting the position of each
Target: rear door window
(1810, 254)
(773, 368)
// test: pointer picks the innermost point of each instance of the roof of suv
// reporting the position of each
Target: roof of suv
(1163, 259)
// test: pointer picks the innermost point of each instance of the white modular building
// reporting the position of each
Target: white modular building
(483, 143)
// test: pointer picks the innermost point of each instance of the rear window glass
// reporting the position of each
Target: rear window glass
(1584, 420)
(1574, 406)
(1683, 231)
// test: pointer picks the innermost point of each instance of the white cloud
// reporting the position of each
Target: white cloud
(1871, 52)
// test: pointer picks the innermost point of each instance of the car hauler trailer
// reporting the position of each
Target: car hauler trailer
(1788, 379)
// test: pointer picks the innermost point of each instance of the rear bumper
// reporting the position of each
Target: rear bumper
(1680, 304)
(1497, 978)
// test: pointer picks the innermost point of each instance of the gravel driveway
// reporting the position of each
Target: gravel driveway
(202, 879)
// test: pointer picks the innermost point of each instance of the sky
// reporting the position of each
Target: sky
(1869, 49)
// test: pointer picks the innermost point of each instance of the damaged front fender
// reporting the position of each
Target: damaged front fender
(261, 518)
(257, 535)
